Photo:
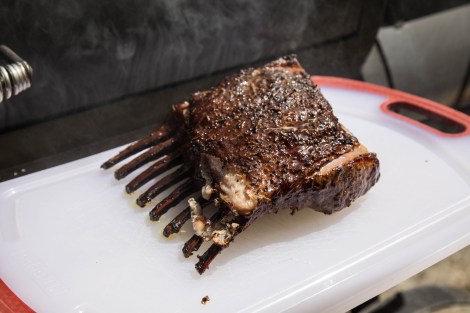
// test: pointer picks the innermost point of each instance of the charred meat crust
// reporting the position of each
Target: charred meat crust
(327, 193)
(270, 125)
(336, 190)
(264, 139)
(267, 120)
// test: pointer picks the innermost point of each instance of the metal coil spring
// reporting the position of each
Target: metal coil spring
(14, 77)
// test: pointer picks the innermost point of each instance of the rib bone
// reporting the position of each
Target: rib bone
(215, 249)
(207, 258)
(173, 199)
(175, 225)
(164, 183)
(151, 154)
(160, 166)
(194, 243)
(164, 132)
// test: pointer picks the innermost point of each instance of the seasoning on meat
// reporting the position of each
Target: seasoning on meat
(263, 140)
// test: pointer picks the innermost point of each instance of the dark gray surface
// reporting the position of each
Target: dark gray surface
(106, 72)
(422, 299)
(87, 52)
(53, 142)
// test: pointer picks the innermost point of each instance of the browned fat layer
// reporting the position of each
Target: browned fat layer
(239, 194)
(343, 159)
(270, 124)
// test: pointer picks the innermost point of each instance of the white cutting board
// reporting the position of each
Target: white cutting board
(71, 240)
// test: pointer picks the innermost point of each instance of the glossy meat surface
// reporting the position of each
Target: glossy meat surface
(271, 130)
(262, 140)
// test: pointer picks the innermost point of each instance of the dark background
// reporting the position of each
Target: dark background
(106, 72)
(87, 52)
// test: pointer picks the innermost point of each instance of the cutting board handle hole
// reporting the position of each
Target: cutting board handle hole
(432, 119)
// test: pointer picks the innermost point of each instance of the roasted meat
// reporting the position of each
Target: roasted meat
(263, 140)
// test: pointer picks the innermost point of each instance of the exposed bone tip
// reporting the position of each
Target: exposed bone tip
(154, 217)
(130, 189)
(106, 165)
(191, 245)
(175, 225)
(169, 230)
(207, 258)
(141, 202)
(118, 175)
(187, 252)
(200, 266)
